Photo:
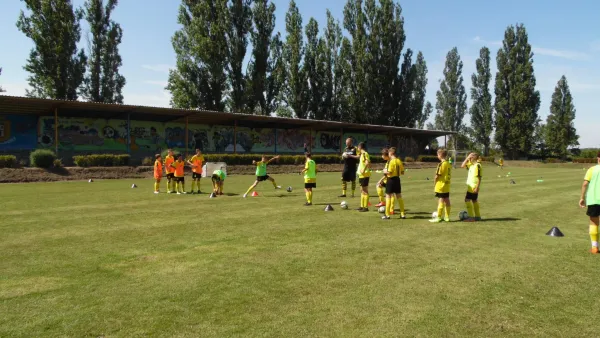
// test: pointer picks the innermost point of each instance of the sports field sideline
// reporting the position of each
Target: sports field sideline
(103, 259)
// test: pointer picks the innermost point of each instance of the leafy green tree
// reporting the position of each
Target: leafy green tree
(344, 81)
(275, 76)
(354, 22)
(451, 102)
(240, 24)
(202, 51)
(516, 100)
(334, 71)
(55, 65)
(296, 87)
(560, 130)
(406, 82)
(103, 82)
(315, 71)
(262, 40)
(419, 90)
(482, 119)
(427, 110)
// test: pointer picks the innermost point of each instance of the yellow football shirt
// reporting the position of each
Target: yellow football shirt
(443, 172)
(364, 169)
(474, 175)
(395, 168)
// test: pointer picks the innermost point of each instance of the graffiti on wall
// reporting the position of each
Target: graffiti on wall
(326, 142)
(18, 132)
(84, 134)
(292, 140)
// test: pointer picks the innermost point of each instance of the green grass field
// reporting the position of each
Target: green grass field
(102, 259)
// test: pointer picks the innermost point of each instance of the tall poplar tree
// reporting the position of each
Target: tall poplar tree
(451, 102)
(103, 82)
(516, 100)
(293, 51)
(240, 24)
(55, 65)
(419, 90)
(482, 120)
(560, 131)
(199, 79)
(262, 37)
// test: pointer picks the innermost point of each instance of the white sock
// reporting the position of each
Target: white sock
(595, 244)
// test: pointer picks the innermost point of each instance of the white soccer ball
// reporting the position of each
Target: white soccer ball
(344, 155)
(382, 210)
(344, 203)
(289, 189)
(463, 215)
(434, 215)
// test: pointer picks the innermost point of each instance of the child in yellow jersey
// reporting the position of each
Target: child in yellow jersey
(158, 172)
(261, 174)
(196, 163)
(393, 189)
(501, 163)
(310, 178)
(364, 174)
(590, 197)
(473, 165)
(179, 167)
(169, 159)
(442, 187)
(383, 181)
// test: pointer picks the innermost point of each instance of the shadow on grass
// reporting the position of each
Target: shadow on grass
(280, 196)
(231, 194)
(500, 219)
(62, 171)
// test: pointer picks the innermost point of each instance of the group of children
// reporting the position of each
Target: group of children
(175, 172)
(356, 162)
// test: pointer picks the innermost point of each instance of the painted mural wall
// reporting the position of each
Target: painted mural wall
(20, 132)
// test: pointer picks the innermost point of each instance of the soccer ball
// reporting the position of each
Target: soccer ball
(434, 215)
(344, 205)
(463, 215)
(344, 156)
(382, 210)
(289, 189)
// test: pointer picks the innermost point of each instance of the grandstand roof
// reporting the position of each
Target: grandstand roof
(46, 107)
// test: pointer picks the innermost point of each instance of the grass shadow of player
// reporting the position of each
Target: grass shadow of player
(280, 196)
(230, 194)
(418, 217)
(500, 219)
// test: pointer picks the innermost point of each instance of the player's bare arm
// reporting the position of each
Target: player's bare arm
(584, 188)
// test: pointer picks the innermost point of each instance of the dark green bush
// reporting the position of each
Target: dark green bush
(554, 160)
(101, 160)
(148, 161)
(42, 158)
(427, 158)
(409, 159)
(8, 161)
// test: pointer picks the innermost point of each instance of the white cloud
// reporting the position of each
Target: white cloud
(13, 89)
(161, 68)
(487, 42)
(157, 83)
(565, 54)
(154, 99)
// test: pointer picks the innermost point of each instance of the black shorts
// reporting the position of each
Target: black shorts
(593, 210)
(179, 179)
(364, 182)
(393, 186)
(196, 176)
(310, 185)
(442, 194)
(472, 196)
(170, 176)
(349, 176)
(262, 178)
(216, 178)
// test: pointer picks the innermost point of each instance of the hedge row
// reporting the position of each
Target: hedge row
(104, 160)
(433, 158)
(585, 160)
(8, 161)
(42, 158)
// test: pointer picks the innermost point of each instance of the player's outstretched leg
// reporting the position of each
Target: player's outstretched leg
(382, 196)
(250, 189)
(273, 182)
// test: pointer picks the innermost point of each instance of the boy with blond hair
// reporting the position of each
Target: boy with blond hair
(442, 187)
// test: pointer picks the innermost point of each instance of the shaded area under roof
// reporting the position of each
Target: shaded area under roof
(46, 107)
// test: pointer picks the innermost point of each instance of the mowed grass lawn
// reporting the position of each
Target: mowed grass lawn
(102, 259)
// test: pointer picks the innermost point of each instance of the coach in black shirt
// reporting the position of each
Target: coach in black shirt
(350, 157)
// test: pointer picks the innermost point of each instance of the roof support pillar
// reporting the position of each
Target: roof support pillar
(56, 131)
(186, 137)
(235, 136)
(129, 133)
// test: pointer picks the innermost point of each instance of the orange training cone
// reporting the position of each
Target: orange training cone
(254, 194)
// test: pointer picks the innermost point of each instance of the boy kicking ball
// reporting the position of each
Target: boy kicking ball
(261, 174)
(442, 187)
(218, 180)
(310, 178)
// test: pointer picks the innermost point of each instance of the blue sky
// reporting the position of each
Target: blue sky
(565, 36)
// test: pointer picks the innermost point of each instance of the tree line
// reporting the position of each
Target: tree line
(356, 70)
